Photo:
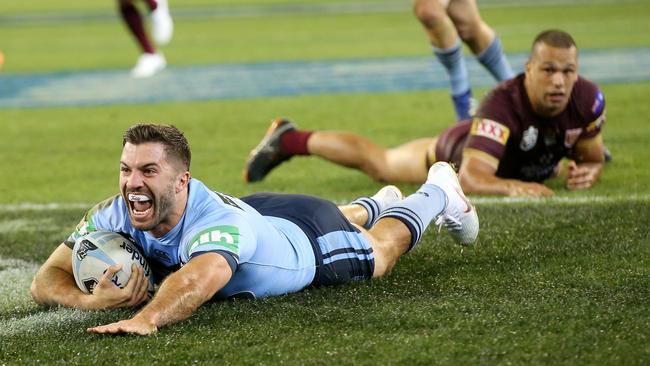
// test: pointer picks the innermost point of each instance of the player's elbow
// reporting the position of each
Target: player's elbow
(36, 292)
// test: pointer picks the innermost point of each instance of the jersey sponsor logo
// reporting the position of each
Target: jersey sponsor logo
(225, 236)
(529, 138)
(597, 107)
(490, 129)
(571, 136)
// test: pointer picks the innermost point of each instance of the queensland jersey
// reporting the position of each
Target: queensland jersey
(268, 255)
(525, 145)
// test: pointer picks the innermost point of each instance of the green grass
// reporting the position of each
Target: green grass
(536, 290)
(106, 44)
(549, 283)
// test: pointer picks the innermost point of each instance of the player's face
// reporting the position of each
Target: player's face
(148, 184)
(550, 75)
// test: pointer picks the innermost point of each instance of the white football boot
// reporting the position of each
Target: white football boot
(387, 196)
(148, 65)
(162, 26)
(459, 216)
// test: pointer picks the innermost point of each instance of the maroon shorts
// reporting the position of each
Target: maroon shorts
(451, 141)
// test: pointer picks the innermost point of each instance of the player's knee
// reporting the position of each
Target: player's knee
(379, 172)
(428, 11)
(470, 31)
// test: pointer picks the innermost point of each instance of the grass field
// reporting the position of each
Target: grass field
(564, 280)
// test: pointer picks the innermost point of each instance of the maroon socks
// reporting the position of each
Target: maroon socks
(134, 22)
(295, 142)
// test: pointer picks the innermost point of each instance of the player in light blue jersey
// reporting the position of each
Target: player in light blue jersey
(204, 245)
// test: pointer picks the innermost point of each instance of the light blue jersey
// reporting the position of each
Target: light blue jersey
(268, 255)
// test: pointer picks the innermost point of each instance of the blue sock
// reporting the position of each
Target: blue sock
(463, 105)
(454, 62)
(495, 61)
(372, 207)
(418, 210)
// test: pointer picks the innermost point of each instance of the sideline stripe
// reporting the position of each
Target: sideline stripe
(273, 79)
(483, 201)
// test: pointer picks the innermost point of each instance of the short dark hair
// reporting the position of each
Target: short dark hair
(175, 143)
(555, 38)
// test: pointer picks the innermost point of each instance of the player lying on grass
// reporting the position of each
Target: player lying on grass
(203, 244)
(522, 130)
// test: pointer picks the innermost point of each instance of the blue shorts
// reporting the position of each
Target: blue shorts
(342, 253)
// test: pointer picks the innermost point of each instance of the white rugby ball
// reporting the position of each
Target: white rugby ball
(94, 252)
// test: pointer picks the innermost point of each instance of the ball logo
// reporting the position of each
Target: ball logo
(90, 284)
(136, 256)
(85, 247)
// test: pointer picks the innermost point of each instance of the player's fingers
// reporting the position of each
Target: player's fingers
(109, 273)
(547, 192)
(140, 293)
(134, 283)
(571, 165)
(143, 294)
(113, 328)
(580, 182)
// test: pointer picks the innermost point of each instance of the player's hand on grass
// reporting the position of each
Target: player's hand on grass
(530, 189)
(107, 295)
(129, 326)
(582, 176)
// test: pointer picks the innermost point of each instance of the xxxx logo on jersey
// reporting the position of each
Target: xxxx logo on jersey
(491, 129)
(225, 236)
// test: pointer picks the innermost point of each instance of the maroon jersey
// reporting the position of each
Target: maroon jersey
(525, 146)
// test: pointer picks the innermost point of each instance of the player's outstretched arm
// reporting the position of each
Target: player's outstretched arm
(583, 172)
(479, 176)
(54, 284)
(178, 297)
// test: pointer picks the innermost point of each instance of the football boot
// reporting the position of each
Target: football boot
(267, 154)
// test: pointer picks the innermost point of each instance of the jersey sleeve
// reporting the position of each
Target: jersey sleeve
(490, 129)
(97, 218)
(592, 103)
(230, 235)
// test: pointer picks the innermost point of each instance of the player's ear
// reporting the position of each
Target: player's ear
(182, 181)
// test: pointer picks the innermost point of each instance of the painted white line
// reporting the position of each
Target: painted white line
(488, 201)
(43, 206)
(484, 201)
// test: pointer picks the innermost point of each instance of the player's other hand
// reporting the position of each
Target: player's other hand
(106, 295)
(136, 325)
(582, 176)
(529, 189)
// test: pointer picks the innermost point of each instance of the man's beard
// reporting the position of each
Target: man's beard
(163, 204)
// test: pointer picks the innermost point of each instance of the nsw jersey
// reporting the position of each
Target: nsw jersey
(526, 146)
(253, 245)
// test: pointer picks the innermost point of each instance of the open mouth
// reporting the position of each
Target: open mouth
(141, 205)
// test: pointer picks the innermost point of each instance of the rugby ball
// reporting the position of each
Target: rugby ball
(94, 252)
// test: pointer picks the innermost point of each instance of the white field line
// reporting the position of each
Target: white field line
(15, 278)
(483, 201)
